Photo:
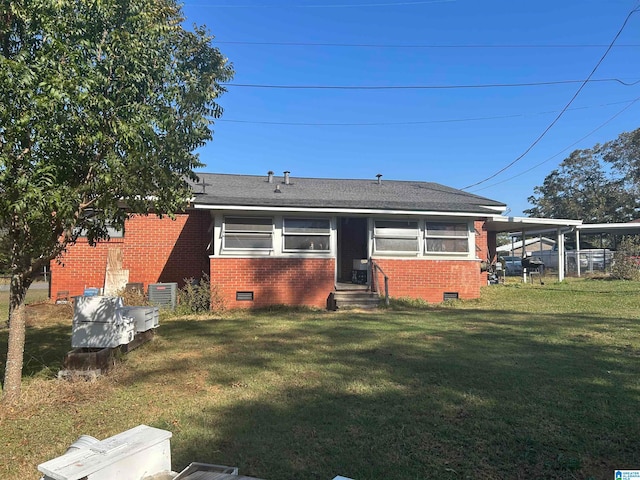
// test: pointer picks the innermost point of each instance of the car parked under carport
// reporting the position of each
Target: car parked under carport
(511, 265)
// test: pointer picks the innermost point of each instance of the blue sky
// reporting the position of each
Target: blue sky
(453, 136)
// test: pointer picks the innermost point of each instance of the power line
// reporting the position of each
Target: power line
(566, 107)
(418, 122)
(335, 5)
(422, 46)
(631, 103)
(430, 87)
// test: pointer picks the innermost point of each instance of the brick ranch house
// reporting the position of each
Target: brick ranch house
(294, 241)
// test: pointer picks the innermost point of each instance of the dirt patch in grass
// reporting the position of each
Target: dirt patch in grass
(42, 314)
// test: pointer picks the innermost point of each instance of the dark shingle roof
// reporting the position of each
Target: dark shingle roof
(250, 190)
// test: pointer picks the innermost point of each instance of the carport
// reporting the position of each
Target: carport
(631, 228)
(537, 226)
(524, 226)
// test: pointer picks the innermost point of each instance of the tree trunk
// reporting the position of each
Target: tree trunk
(15, 347)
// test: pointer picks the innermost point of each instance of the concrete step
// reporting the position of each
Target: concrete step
(355, 299)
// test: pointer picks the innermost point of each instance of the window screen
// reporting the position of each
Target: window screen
(307, 234)
(395, 236)
(247, 233)
(447, 237)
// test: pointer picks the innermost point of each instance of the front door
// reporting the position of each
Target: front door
(352, 245)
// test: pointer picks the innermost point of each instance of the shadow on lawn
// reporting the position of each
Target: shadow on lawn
(44, 349)
(501, 397)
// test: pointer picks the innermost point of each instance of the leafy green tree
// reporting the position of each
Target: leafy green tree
(623, 154)
(592, 185)
(102, 105)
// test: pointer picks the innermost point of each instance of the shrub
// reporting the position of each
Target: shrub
(626, 260)
(133, 297)
(197, 296)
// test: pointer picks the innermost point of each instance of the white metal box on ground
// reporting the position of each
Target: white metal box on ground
(145, 318)
(96, 309)
(102, 334)
(132, 455)
(98, 323)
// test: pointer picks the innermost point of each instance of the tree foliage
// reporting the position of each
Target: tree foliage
(599, 184)
(626, 259)
(102, 105)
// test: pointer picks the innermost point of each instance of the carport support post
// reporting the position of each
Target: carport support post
(523, 253)
(560, 243)
(578, 251)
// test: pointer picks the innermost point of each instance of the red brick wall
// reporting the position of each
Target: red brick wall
(482, 249)
(429, 279)
(153, 250)
(484, 246)
(163, 250)
(289, 281)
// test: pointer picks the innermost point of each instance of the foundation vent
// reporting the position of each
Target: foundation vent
(450, 296)
(244, 296)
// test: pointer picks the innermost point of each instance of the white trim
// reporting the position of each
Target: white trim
(561, 222)
(610, 227)
(323, 255)
(517, 225)
(495, 208)
(343, 211)
(446, 257)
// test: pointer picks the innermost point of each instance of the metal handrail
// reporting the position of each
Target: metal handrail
(372, 284)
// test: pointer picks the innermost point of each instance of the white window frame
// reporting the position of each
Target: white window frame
(112, 232)
(433, 235)
(225, 231)
(380, 233)
(326, 234)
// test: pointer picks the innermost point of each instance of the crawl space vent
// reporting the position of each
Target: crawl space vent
(450, 296)
(244, 296)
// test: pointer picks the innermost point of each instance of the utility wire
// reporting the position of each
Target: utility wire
(329, 5)
(417, 122)
(633, 102)
(566, 107)
(432, 87)
(428, 45)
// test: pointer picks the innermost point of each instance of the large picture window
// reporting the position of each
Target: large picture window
(394, 236)
(306, 234)
(247, 233)
(446, 237)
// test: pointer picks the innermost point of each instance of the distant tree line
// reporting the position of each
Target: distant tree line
(596, 185)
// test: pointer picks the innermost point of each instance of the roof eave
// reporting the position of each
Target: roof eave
(343, 210)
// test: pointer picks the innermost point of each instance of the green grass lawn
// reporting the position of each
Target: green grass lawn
(527, 382)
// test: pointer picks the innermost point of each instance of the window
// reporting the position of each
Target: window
(395, 236)
(247, 233)
(306, 234)
(446, 237)
(112, 232)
